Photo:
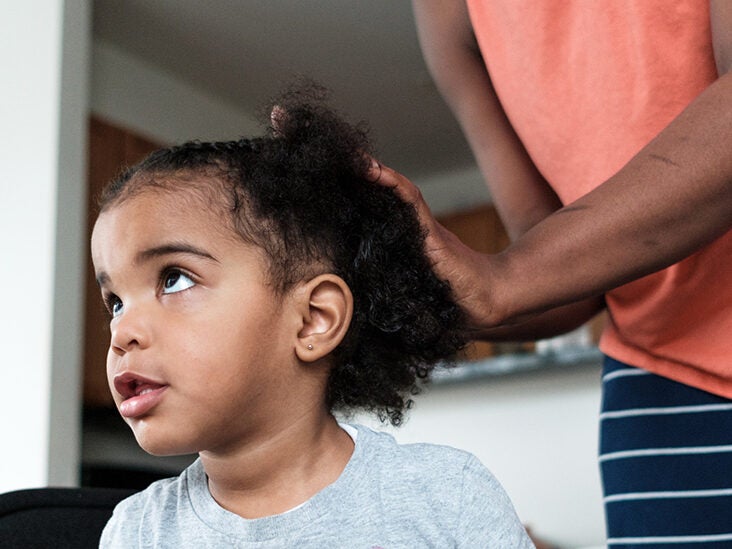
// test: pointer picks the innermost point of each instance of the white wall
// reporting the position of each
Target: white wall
(135, 95)
(42, 159)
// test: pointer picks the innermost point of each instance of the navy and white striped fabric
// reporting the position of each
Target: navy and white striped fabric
(666, 462)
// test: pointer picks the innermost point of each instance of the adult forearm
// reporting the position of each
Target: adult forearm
(552, 323)
(671, 199)
(519, 192)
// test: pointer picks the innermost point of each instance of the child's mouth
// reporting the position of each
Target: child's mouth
(140, 395)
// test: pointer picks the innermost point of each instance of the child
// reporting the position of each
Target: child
(255, 287)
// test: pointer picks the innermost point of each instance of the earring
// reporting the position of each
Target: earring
(310, 346)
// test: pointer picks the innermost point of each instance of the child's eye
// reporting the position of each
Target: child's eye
(114, 304)
(176, 281)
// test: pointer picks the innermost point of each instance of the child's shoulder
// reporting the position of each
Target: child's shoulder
(160, 490)
(450, 486)
(427, 468)
(416, 454)
(159, 503)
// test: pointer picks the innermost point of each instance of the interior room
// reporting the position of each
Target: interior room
(96, 85)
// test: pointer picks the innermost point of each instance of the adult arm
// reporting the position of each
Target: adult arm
(521, 195)
(671, 199)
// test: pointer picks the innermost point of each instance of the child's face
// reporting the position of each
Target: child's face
(201, 353)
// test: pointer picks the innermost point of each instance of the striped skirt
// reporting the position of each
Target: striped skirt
(666, 462)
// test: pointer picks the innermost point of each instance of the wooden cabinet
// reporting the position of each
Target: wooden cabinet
(110, 150)
(479, 228)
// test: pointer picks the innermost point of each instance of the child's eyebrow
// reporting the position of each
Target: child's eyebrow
(102, 278)
(172, 248)
(159, 251)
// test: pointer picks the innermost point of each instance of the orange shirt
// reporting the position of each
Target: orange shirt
(586, 85)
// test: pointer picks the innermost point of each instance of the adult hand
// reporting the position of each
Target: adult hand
(480, 283)
(469, 272)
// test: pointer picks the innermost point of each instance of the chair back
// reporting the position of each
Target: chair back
(54, 518)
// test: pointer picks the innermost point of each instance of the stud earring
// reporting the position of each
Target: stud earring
(310, 346)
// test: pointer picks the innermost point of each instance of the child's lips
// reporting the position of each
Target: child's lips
(140, 394)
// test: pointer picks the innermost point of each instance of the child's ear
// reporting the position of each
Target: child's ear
(326, 306)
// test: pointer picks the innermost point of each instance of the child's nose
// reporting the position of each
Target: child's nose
(130, 330)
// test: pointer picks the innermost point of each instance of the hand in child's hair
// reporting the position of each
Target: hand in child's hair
(452, 260)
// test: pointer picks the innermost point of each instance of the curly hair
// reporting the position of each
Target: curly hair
(302, 194)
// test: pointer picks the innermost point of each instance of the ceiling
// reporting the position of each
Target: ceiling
(245, 51)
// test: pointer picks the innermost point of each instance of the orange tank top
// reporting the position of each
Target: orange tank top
(586, 85)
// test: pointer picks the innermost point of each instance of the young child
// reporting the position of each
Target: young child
(255, 287)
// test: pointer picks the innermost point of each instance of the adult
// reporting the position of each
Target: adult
(604, 133)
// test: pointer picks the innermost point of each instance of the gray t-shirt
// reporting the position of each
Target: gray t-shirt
(389, 496)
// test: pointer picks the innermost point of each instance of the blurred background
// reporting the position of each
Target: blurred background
(91, 86)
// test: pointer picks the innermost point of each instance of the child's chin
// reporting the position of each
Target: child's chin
(160, 446)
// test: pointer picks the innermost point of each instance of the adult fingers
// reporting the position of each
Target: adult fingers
(407, 191)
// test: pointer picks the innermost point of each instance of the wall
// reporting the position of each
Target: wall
(537, 431)
(137, 96)
(42, 160)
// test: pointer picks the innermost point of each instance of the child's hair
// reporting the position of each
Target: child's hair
(301, 193)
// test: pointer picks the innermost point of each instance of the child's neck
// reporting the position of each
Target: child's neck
(280, 472)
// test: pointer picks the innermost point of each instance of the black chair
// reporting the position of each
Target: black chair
(41, 518)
